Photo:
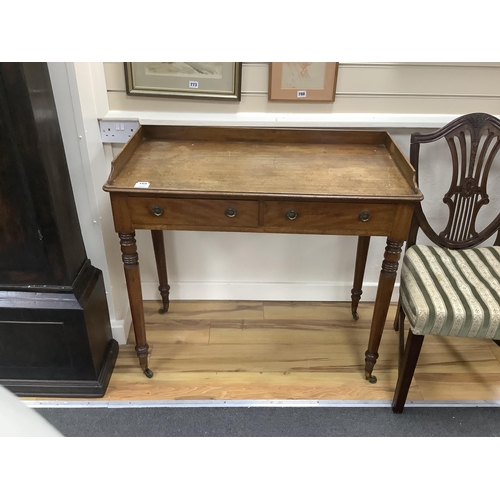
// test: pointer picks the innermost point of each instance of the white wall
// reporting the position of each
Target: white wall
(400, 98)
(366, 88)
(78, 101)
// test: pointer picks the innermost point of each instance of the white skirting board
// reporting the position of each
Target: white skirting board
(120, 328)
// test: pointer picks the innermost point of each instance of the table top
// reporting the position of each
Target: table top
(263, 162)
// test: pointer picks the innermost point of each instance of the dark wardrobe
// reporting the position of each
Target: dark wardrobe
(55, 333)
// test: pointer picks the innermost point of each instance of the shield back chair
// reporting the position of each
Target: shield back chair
(451, 286)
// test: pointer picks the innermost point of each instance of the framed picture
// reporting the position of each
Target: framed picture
(303, 81)
(207, 80)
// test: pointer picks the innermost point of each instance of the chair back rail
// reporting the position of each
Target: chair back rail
(473, 141)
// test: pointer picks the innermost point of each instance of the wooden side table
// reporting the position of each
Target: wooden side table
(263, 180)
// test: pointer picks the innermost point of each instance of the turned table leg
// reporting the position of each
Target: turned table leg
(382, 303)
(161, 266)
(133, 279)
(359, 272)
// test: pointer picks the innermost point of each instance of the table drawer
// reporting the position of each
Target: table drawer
(329, 218)
(173, 212)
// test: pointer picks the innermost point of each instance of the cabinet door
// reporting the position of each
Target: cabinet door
(22, 255)
(41, 239)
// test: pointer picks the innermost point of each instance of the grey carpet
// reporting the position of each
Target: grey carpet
(274, 422)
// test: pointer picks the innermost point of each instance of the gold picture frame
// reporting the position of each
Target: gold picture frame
(204, 80)
(316, 81)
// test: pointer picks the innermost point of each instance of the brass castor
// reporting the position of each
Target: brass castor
(149, 373)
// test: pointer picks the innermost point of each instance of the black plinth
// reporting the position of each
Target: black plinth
(57, 344)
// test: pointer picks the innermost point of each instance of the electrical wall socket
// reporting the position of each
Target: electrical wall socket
(115, 131)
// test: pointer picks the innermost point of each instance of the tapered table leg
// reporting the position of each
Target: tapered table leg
(359, 272)
(133, 279)
(382, 303)
(161, 266)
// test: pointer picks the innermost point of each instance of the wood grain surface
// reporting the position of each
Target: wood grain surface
(249, 168)
(258, 161)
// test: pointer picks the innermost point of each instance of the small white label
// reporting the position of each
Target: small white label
(142, 184)
(193, 85)
(301, 93)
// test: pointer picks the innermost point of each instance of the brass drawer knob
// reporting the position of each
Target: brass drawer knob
(364, 216)
(231, 212)
(291, 215)
(157, 211)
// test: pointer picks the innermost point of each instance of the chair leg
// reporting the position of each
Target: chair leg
(412, 351)
(396, 318)
(400, 317)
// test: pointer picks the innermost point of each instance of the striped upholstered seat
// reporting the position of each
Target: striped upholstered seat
(452, 292)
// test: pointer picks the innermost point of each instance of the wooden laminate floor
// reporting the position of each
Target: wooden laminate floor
(239, 350)
(254, 350)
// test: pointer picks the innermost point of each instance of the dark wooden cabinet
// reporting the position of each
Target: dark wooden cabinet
(55, 333)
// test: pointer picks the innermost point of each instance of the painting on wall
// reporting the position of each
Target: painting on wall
(207, 80)
(303, 81)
